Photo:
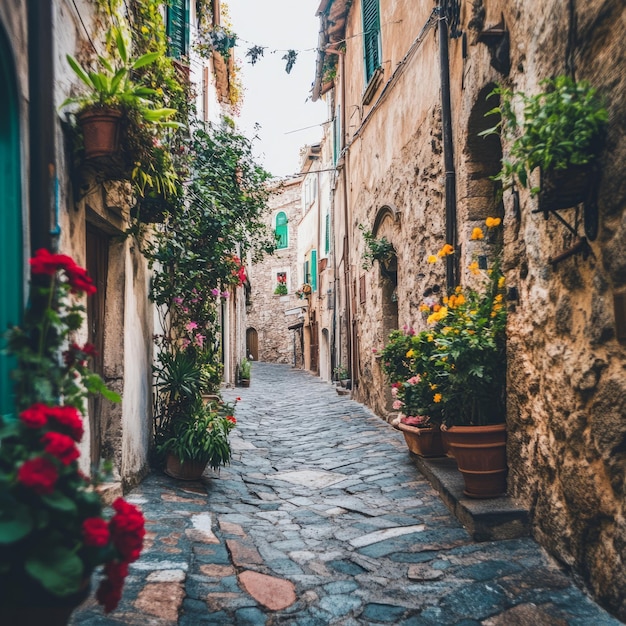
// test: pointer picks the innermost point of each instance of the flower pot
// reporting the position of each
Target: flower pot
(244, 382)
(424, 442)
(187, 470)
(480, 453)
(101, 131)
(562, 189)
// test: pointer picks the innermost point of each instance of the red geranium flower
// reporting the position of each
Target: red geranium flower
(38, 474)
(46, 263)
(69, 417)
(96, 532)
(127, 529)
(61, 447)
(35, 416)
(110, 590)
(231, 418)
(80, 280)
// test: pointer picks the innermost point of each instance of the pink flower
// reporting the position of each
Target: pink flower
(397, 404)
(200, 340)
(394, 391)
(215, 291)
(177, 300)
(191, 326)
(413, 381)
(225, 294)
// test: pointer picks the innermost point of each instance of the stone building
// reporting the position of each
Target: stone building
(409, 91)
(273, 304)
(43, 206)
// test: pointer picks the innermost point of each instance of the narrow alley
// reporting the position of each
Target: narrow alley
(323, 518)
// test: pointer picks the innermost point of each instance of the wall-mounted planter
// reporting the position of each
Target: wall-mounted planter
(101, 131)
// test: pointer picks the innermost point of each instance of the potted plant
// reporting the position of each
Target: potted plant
(467, 374)
(54, 531)
(381, 250)
(244, 372)
(199, 439)
(561, 132)
(111, 89)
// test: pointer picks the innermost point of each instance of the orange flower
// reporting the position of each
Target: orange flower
(477, 233)
(447, 250)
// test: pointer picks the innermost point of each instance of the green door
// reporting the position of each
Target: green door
(11, 247)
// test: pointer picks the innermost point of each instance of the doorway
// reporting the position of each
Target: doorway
(11, 245)
(252, 344)
(97, 244)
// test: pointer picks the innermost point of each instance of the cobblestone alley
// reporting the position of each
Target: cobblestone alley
(323, 518)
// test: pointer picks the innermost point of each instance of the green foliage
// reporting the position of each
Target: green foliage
(244, 369)
(375, 249)
(281, 289)
(562, 126)
(202, 435)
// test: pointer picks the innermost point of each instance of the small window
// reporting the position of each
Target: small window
(282, 230)
(371, 37)
(178, 27)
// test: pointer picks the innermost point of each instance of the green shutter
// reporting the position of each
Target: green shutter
(313, 270)
(305, 273)
(282, 232)
(11, 246)
(327, 233)
(371, 37)
(178, 27)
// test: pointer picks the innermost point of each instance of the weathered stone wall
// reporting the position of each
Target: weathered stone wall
(566, 385)
(267, 311)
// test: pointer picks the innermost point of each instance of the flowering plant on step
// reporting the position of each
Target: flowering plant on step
(53, 528)
(454, 371)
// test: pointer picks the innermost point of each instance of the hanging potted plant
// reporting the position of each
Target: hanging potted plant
(110, 90)
(561, 132)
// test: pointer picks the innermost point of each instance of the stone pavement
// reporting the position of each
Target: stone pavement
(323, 518)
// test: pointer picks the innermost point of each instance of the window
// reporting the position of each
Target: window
(310, 191)
(371, 37)
(282, 230)
(327, 233)
(178, 27)
(313, 270)
(337, 135)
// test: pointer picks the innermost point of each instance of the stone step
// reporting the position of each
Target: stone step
(486, 519)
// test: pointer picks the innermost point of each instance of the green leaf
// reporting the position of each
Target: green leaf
(145, 59)
(60, 502)
(121, 45)
(16, 521)
(58, 569)
(79, 71)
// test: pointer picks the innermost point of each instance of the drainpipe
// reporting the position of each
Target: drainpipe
(448, 151)
(43, 190)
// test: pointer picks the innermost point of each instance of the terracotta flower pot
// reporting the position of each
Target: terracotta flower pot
(188, 470)
(424, 442)
(480, 453)
(101, 131)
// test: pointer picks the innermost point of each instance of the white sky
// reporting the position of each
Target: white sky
(278, 101)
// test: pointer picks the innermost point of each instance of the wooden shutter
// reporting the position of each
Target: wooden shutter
(313, 270)
(282, 233)
(178, 27)
(371, 37)
(11, 250)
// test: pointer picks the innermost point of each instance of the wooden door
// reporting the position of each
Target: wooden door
(252, 344)
(97, 266)
(11, 246)
(315, 347)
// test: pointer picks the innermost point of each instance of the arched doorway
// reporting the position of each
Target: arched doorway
(252, 344)
(11, 246)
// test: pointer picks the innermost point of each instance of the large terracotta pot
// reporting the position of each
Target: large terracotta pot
(424, 442)
(101, 131)
(480, 453)
(188, 470)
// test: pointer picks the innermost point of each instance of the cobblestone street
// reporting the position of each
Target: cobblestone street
(323, 518)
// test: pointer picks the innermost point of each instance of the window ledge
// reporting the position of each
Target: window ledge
(373, 85)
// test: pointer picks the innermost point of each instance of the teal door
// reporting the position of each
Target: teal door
(11, 246)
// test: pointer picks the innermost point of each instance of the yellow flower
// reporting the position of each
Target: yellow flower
(438, 315)
(477, 233)
(500, 282)
(432, 386)
(460, 299)
(498, 298)
(473, 267)
(492, 222)
(410, 354)
(432, 258)
(437, 397)
(458, 289)
(424, 307)
(446, 329)
(430, 338)
(447, 250)
(144, 29)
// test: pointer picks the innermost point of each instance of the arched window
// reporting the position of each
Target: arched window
(282, 231)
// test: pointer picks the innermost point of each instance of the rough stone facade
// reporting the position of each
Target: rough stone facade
(566, 385)
(267, 320)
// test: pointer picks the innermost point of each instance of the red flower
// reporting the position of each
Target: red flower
(39, 474)
(61, 447)
(96, 532)
(45, 263)
(110, 590)
(35, 416)
(76, 353)
(69, 417)
(127, 530)
(80, 280)
(231, 418)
